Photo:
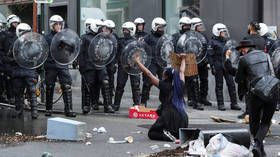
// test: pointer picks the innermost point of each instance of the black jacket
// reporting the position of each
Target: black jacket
(251, 68)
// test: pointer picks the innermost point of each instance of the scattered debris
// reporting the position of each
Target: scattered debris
(221, 120)
(179, 152)
(138, 132)
(273, 121)
(101, 130)
(128, 139)
(166, 145)
(276, 137)
(153, 147)
(18, 134)
(47, 154)
(88, 143)
(88, 135)
(40, 137)
(278, 154)
(94, 129)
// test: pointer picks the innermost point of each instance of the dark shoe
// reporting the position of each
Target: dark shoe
(277, 107)
(235, 107)
(198, 106)
(70, 114)
(116, 107)
(206, 102)
(190, 103)
(86, 109)
(242, 116)
(221, 107)
(263, 153)
(48, 113)
(108, 109)
(256, 151)
(34, 114)
(95, 107)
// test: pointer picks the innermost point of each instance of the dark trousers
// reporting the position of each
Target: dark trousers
(203, 80)
(220, 74)
(260, 115)
(63, 75)
(155, 70)
(121, 81)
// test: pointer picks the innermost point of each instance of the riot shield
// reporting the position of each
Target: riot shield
(234, 56)
(275, 57)
(128, 56)
(30, 50)
(65, 47)
(193, 42)
(102, 49)
(163, 47)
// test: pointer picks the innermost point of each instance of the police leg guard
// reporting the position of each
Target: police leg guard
(94, 92)
(33, 102)
(49, 99)
(10, 90)
(85, 100)
(19, 101)
(118, 98)
(67, 97)
(136, 94)
(220, 97)
(107, 97)
(145, 93)
(197, 105)
(189, 85)
(3, 99)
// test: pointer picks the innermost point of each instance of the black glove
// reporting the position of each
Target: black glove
(213, 70)
(75, 64)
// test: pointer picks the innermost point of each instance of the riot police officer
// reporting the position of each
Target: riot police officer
(158, 26)
(265, 34)
(129, 29)
(111, 68)
(54, 70)
(140, 26)
(24, 78)
(197, 25)
(94, 76)
(7, 38)
(191, 83)
(216, 59)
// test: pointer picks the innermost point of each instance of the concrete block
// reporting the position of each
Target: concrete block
(65, 129)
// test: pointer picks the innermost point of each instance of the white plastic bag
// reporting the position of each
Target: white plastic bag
(219, 146)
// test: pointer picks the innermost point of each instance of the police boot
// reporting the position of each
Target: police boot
(277, 107)
(136, 95)
(19, 102)
(85, 101)
(256, 150)
(263, 153)
(67, 97)
(117, 101)
(196, 104)
(233, 99)
(203, 100)
(49, 99)
(107, 98)
(33, 103)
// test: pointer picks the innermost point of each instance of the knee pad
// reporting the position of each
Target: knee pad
(66, 87)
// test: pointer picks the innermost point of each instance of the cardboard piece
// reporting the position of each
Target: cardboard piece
(221, 120)
(191, 65)
(142, 112)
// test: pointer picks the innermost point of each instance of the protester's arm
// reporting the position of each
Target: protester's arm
(147, 72)
(182, 67)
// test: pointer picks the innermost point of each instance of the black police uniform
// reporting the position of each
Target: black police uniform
(123, 76)
(54, 70)
(93, 77)
(24, 79)
(192, 83)
(253, 66)
(7, 38)
(151, 40)
(268, 44)
(140, 34)
(216, 60)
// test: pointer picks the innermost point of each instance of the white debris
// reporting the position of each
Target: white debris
(40, 137)
(94, 129)
(273, 121)
(101, 130)
(153, 147)
(88, 135)
(18, 134)
(278, 153)
(88, 143)
(166, 145)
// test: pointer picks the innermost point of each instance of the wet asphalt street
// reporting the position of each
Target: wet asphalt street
(118, 126)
